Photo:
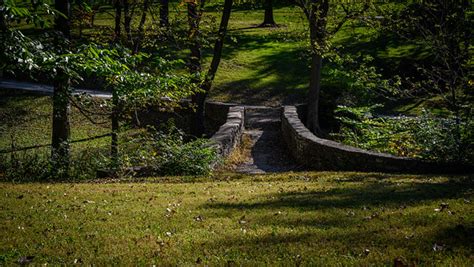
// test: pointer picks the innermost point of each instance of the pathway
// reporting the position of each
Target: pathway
(48, 89)
(268, 152)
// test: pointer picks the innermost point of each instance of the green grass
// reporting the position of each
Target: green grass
(285, 219)
(26, 120)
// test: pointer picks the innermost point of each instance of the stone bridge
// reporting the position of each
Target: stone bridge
(281, 142)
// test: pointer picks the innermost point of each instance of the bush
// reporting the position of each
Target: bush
(167, 152)
(36, 166)
(427, 137)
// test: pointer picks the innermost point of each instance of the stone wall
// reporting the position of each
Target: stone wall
(215, 115)
(230, 133)
(321, 154)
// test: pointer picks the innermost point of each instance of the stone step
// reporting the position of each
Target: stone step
(268, 154)
(262, 118)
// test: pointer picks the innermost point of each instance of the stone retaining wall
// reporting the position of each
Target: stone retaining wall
(216, 115)
(230, 133)
(321, 154)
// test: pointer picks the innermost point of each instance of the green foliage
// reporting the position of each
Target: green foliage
(36, 166)
(427, 137)
(364, 83)
(38, 12)
(138, 79)
(168, 152)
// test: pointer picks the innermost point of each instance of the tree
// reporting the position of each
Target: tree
(199, 98)
(141, 29)
(268, 20)
(127, 20)
(164, 13)
(131, 87)
(60, 150)
(317, 14)
(444, 29)
(118, 16)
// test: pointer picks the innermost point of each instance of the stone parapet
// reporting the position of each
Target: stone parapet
(322, 154)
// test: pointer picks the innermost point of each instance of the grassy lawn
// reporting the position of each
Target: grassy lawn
(285, 219)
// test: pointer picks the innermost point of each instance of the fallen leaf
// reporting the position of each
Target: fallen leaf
(25, 260)
(437, 247)
(399, 263)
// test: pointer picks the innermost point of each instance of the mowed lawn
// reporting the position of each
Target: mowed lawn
(314, 218)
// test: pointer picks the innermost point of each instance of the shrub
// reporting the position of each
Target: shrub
(167, 152)
(36, 166)
(426, 136)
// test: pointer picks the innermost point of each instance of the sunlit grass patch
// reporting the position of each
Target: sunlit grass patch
(285, 219)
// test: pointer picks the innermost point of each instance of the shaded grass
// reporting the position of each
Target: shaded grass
(285, 219)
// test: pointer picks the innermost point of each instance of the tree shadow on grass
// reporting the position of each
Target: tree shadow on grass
(380, 193)
(278, 77)
(375, 214)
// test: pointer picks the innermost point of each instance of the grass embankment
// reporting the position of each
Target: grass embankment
(285, 219)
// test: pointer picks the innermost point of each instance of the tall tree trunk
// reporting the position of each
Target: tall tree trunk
(115, 128)
(118, 16)
(195, 46)
(60, 151)
(63, 23)
(268, 21)
(141, 27)
(127, 17)
(3, 29)
(195, 65)
(3, 24)
(317, 18)
(164, 13)
(200, 98)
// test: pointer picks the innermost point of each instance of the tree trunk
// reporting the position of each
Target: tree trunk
(115, 129)
(60, 151)
(127, 17)
(195, 46)
(118, 16)
(200, 98)
(164, 13)
(268, 21)
(3, 24)
(63, 23)
(317, 25)
(195, 66)
(141, 33)
(312, 121)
